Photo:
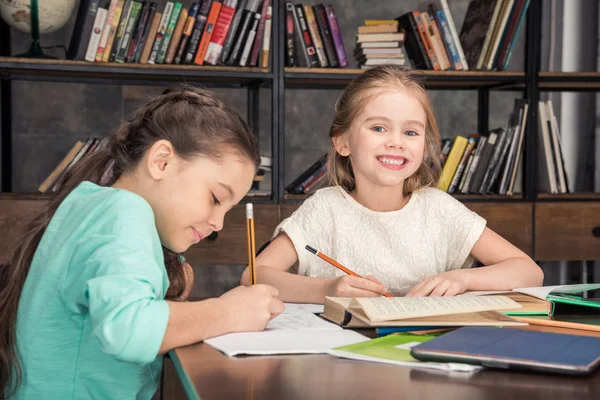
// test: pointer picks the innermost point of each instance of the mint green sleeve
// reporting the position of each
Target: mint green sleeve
(117, 277)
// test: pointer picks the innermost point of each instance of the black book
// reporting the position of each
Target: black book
(84, 23)
(235, 23)
(290, 44)
(321, 17)
(138, 32)
(145, 31)
(242, 33)
(305, 38)
(412, 42)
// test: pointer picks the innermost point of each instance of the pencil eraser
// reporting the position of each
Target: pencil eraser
(249, 210)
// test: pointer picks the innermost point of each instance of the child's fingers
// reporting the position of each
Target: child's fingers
(367, 284)
(424, 288)
(441, 288)
(373, 279)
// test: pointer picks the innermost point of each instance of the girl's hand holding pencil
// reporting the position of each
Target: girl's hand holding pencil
(250, 308)
(353, 284)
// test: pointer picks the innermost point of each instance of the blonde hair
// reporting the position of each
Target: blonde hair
(354, 99)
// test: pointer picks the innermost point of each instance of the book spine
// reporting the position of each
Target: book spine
(84, 22)
(337, 36)
(437, 41)
(267, 39)
(442, 22)
(141, 44)
(160, 33)
(425, 40)
(92, 47)
(455, 38)
(242, 34)
(250, 40)
(235, 23)
(176, 38)
(321, 17)
(136, 37)
(412, 42)
(106, 30)
(307, 43)
(150, 38)
(512, 42)
(311, 21)
(258, 41)
(114, 26)
(121, 30)
(166, 40)
(131, 23)
(209, 29)
(201, 18)
(187, 32)
(222, 26)
(290, 54)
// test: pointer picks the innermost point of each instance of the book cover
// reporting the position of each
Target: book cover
(412, 42)
(337, 36)
(474, 30)
(232, 32)
(242, 32)
(150, 38)
(267, 39)
(92, 47)
(451, 164)
(176, 38)
(258, 41)
(222, 26)
(144, 22)
(160, 33)
(311, 21)
(209, 28)
(106, 30)
(290, 36)
(325, 32)
(250, 40)
(132, 21)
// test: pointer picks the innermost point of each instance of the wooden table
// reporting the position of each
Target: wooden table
(199, 371)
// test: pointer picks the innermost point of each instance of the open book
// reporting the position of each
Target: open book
(419, 311)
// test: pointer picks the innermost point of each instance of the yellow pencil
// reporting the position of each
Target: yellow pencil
(251, 242)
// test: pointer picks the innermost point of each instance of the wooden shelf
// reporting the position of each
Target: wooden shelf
(581, 196)
(574, 81)
(83, 71)
(328, 77)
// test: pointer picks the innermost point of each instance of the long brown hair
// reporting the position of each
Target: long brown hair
(353, 100)
(195, 121)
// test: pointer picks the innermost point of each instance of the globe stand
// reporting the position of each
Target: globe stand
(35, 50)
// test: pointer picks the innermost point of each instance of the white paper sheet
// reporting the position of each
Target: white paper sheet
(284, 341)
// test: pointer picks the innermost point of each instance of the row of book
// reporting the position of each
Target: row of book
(552, 175)
(209, 32)
(485, 42)
(486, 163)
(313, 37)
(83, 149)
(380, 42)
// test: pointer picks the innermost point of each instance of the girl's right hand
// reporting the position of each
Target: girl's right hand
(352, 286)
(250, 308)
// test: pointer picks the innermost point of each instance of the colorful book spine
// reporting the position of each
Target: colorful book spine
(150, 38)
(141, 44)
(305, 39)
(201, 19)
(267, 39)
(106, 30)
(215, 47)
(160, 33)
(92, 47)
(325, 32)
(112, 33)
(166, 40)
(129, 28)
(290, 43)
(258, 41)
(176, 38)
(121, 31)
(187, 32)
(235, 23)
(209, 29)
(442, 21)
(242, 33)
(337, 36)
(311, 21)
(143, 24)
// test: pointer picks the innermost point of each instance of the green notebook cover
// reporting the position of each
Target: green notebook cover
(575, 300)
(395, 349)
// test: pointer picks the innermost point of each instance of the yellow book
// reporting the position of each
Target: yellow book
(456, 152)
(60, 167)
(373, 22)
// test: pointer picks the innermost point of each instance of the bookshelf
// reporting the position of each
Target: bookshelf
(520, 218)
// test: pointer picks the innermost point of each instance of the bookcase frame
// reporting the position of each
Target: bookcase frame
(281, 79)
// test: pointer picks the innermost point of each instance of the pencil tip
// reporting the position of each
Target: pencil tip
(312, 250)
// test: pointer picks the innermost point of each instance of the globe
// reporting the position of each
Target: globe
(52, 14)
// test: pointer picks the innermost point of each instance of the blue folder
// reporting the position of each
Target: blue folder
(514, 349)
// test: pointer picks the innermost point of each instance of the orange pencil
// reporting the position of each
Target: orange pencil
(251, 242)
(336, 264)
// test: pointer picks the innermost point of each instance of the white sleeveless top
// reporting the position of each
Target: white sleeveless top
(431, 234)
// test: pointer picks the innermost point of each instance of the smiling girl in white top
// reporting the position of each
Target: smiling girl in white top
(383, 216)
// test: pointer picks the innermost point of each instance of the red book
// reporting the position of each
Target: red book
(215, 47)
(213, 15)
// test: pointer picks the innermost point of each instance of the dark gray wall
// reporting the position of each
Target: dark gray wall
(49, 117)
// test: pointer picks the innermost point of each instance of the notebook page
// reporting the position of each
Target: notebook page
(386, 308)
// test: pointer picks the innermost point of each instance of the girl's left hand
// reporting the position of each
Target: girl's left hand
(189, 282)
(449, 283)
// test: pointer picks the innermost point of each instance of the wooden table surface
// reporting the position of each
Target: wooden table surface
(209, 374)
